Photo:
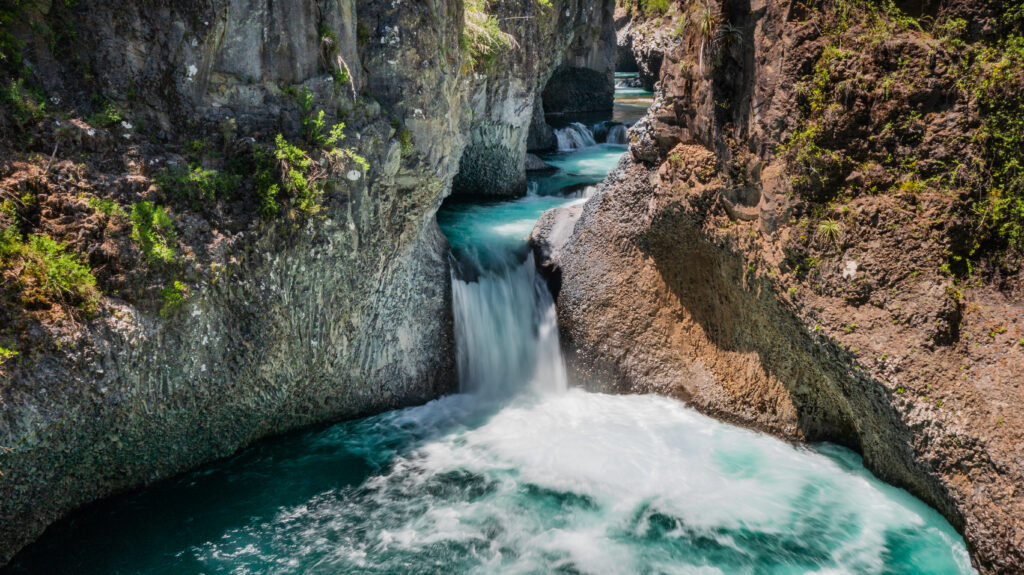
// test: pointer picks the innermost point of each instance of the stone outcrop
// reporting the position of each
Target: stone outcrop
(577, 91)
(288, 323)
(540, 135)
(640, 46)
(504, 118)
(584, 82)
(803, 293)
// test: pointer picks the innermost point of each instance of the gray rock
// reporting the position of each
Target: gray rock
(535, 164)
(343, 316)
(547, 239)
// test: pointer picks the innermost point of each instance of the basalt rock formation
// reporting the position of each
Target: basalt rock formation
(794, 244)
(569, 44)
(273, 313)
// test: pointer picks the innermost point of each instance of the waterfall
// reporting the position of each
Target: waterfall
(506, 332)
(574, 136)
(617, 135)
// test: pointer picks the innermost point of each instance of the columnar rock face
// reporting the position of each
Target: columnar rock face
(754, 255)
(502, 101)
(578, 90)
(585, 80)
(288, 324)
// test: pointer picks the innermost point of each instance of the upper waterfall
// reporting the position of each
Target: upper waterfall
(574, 136)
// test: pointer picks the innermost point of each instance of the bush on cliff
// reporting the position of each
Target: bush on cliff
(45, 273)
(871, 56)
(482, 37)
(196, 185)
(998, 88)
(153, 230)
(299, 173)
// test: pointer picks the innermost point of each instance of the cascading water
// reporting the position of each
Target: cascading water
(573, 137)
(617, 135)
(517, 474)
(506, 332)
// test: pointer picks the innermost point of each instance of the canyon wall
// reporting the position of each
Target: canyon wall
(288, 322)
(779, 249)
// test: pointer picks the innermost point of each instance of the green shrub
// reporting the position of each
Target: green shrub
(296, 166)
(196, 150)
(196, 185)
(153, 230)
(299, 174)
(405, 139)
(49, 274)
(313, 122)
(172, 296)
(6, 355)
(482, 37)
(998, 86)
(107, 207)
(292, 173)
(654, 8)
(25, 105)
(10, 242)
(107, 117)
(266, 186)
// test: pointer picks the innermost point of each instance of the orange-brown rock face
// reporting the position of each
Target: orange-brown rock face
(805, 290)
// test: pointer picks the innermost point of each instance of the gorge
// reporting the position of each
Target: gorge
(388, 284)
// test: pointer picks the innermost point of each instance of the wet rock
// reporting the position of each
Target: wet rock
(535, 164)
(547, 239)
(541, 136)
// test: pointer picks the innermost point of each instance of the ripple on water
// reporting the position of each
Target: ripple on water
(573, 483)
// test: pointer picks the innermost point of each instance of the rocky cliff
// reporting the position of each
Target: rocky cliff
(811, 236)
(177, 285)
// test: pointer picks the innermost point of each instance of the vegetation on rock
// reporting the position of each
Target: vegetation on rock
(482, 37)
(937, 58)
(153, 229)
(44, 273)
(196, 185)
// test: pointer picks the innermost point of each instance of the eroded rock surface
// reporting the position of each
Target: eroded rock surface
(290, 322)
(805, 291)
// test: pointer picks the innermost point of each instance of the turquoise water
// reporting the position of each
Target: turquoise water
(581, 167)
(516, 474)
(564, 482)
(626, 93)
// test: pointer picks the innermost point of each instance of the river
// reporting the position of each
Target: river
(518, 473)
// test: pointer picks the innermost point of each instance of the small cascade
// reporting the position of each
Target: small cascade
(617, 135)
(506, 332)
(628, 82)
(573, 137)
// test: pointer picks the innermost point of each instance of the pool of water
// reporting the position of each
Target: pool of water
(564, 482)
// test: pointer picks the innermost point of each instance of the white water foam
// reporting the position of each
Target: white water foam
(573, 137)
(617, 135)
(590, 483)
(506, 332)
